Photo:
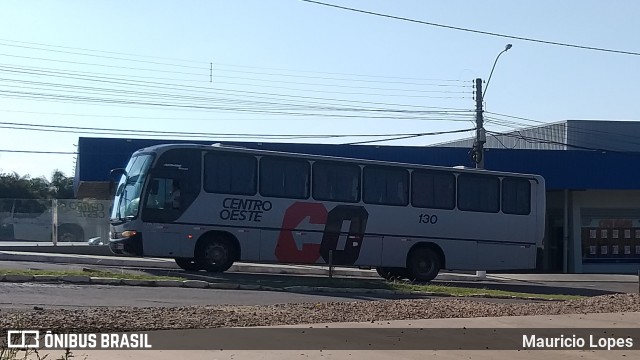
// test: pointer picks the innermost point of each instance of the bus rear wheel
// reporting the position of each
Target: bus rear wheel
(424, 264)
(215, 255)
(187, 264)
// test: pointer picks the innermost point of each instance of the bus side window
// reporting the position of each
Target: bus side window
(153, 199)
(433, 189)
(386, 185)
(164, 194)
(336, 182)
(174, 196)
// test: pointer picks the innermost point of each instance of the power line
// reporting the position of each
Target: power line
(339, 79)
(194, 119)
(630, 139)
(102, 51)
(103, 56)
(358, 87)
(178, 105)
(102, 65)
(237, 71)
(209, 70)
(620, 139)
(60, 128)
(475, 31)
(39, 152)
(500, 141)
(532, 139)
(411, 136)
(191, 88)
(102, 79)
(233, 65)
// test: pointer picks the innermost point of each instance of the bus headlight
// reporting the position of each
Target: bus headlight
(128, 233)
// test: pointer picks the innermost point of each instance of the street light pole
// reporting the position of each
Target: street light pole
(506, 48)
(481, 137)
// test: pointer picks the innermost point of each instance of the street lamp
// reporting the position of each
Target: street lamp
(480, 134)
(494, 66)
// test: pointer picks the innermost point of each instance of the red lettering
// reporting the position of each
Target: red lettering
(286, 249)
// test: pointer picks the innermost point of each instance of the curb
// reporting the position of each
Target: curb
(198, 284)
(69, 259)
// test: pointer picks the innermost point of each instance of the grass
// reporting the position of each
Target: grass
(312, 281)
(92, 273)
(281, 281)
(465, 291)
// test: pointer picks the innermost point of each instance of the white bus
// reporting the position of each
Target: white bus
(208, 206)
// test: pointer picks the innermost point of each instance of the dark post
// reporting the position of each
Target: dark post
(480, 135)
(330, 264)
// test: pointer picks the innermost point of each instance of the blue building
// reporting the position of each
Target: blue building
(591, 170)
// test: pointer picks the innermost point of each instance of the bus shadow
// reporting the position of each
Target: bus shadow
(285, 280)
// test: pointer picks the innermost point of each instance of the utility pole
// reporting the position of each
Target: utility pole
(478, 146)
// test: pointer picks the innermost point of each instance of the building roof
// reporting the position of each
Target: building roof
(565, 135)
(562, 169)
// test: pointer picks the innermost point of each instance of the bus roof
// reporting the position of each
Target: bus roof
(239, 149)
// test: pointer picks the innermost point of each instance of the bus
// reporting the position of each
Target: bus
(208, 206)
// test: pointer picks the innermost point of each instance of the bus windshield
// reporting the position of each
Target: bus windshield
(129, 188)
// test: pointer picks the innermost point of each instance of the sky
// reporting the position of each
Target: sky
(274, 69)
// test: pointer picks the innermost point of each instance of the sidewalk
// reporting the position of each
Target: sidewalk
(529, 323)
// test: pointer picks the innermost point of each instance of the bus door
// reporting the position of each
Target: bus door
(173, 186)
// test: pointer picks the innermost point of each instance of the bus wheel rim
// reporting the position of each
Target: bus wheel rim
(216, 254)
(425, 266)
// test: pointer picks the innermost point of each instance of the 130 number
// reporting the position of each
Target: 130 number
(427, 219)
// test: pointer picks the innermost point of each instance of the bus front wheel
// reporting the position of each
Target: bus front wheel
(215, 255)
(187, 264)
(424, 264)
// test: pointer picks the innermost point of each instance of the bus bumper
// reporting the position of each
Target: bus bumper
(127, 246)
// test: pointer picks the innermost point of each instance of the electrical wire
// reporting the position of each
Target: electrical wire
(195, 119)
(575, 128)
(624, 52)
(412, 136)
(183, 133)
(231, 65)
(108, 80)
(39, 152)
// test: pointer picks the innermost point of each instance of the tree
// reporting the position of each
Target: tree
(61, 185)
(14, 186)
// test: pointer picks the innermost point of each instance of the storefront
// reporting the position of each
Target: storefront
(606, 231)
